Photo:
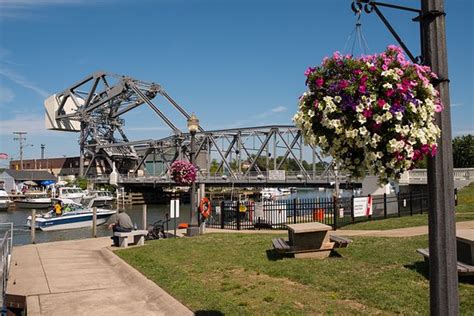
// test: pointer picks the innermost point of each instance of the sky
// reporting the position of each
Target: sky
(234, 63)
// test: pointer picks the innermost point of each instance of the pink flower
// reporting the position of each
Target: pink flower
(319, 82)
(367, 113)
(425, 149)
(373, 69)
(357, 72)
(336, 55)
(343, 84)
(389, 92)
(309, 71)
(416, 155)
(315, 103)
(438, 107)
(434, 150)
(380, 103)
(362, 89)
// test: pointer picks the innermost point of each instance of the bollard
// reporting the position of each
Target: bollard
(94, 222)
(33, 226)
(144, 207)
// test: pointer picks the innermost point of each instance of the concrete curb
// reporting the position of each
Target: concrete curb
(150, 291)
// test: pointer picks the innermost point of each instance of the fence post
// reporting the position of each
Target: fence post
(33, 226)
(237, 210)
(385, 205)
(335, 210)
(222, 214)
(294, 211)
(94, 222)
(352, 209)
(144, 211)
(398, 202)
(411, 203)
(455, 197)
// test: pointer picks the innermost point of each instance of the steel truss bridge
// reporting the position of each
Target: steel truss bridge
(240, 156)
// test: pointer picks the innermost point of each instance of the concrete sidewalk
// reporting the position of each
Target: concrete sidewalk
(399, 232)
(84, 277)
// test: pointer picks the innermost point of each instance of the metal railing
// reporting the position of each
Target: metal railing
(6, 244)
(241, 215)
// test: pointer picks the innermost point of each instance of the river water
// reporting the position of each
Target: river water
(22, 234)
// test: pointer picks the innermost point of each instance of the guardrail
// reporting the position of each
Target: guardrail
(420, 176)
(6, 244)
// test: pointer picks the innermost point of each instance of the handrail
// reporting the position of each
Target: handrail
(6, 245)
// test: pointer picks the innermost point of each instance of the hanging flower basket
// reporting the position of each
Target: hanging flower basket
(183, 172)
(372, 114)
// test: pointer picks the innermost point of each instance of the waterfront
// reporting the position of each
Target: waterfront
(155, 212)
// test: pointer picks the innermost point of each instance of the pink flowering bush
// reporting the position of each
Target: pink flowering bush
(372, 114)
(183, 172)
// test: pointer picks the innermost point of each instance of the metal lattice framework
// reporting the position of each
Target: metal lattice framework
(242, 154)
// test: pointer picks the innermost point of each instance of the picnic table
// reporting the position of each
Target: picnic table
(465, 245)
(465, 251)
(309, 240)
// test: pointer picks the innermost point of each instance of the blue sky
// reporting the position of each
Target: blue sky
(233, 63)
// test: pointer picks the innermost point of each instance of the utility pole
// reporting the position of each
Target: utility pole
(20, 137)
(444, 298)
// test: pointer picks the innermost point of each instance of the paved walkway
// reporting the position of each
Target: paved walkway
(399, 232)
(84, 277)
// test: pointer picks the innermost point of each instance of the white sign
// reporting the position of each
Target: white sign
(362, 206)
(174, 208)
(276, 175)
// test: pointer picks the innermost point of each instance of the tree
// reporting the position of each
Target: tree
(463, 151)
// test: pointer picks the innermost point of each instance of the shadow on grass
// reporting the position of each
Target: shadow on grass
(208, 313)
(421, 267)
(272, 255)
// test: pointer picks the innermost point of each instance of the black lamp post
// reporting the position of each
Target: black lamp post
(193, 126)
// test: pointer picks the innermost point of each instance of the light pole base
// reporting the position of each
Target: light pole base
(192, 231)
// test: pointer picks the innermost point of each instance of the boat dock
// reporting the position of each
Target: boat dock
(84, 277)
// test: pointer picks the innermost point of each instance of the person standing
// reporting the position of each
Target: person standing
(121, 223)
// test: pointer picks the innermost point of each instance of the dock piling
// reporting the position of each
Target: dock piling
(33, 226)
(94, 222)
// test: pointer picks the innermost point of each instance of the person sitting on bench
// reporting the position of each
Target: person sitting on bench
(120, 222)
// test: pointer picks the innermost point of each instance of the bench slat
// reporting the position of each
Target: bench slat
(280, 244)
(340, 242)
(463, 268)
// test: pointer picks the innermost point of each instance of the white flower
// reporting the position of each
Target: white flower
(387, 85)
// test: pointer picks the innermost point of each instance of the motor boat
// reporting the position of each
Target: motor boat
(98, 198)
(74, 215)
(4, 200)
(274, 193)
(38, 200)
(71, 193)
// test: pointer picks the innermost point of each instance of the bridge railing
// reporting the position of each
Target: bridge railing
(421, 175)
(226, 177)
(6, 244)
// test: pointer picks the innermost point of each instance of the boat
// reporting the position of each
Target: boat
(71, 193)
(274, 193)
(38, 200)
(98, 198)
(74, 215)
(4, 200)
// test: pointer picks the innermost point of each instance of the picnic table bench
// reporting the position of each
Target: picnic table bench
(463, 268)
(465, 251)
(134, 237)
(309, 240)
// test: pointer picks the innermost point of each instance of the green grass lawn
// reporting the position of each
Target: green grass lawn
(464, 212)
(240, 274)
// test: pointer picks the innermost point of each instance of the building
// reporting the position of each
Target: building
(14, 180)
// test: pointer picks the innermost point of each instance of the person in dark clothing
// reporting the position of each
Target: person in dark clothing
(120, 222)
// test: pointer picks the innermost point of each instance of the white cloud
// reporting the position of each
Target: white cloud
(149, 129)
(19, 79)
(6, 95)
(463, 132)
(453, 105)
(279, 109)
(27, 123)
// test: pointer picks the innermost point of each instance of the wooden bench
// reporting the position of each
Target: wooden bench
(134, 237)
(280, 245)
(339, 241)
(463, 268)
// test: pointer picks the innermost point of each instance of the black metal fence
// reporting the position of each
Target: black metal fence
(239, 215)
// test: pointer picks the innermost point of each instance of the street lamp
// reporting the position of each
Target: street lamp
(193, 126)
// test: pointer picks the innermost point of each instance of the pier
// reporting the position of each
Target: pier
(84, 277)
